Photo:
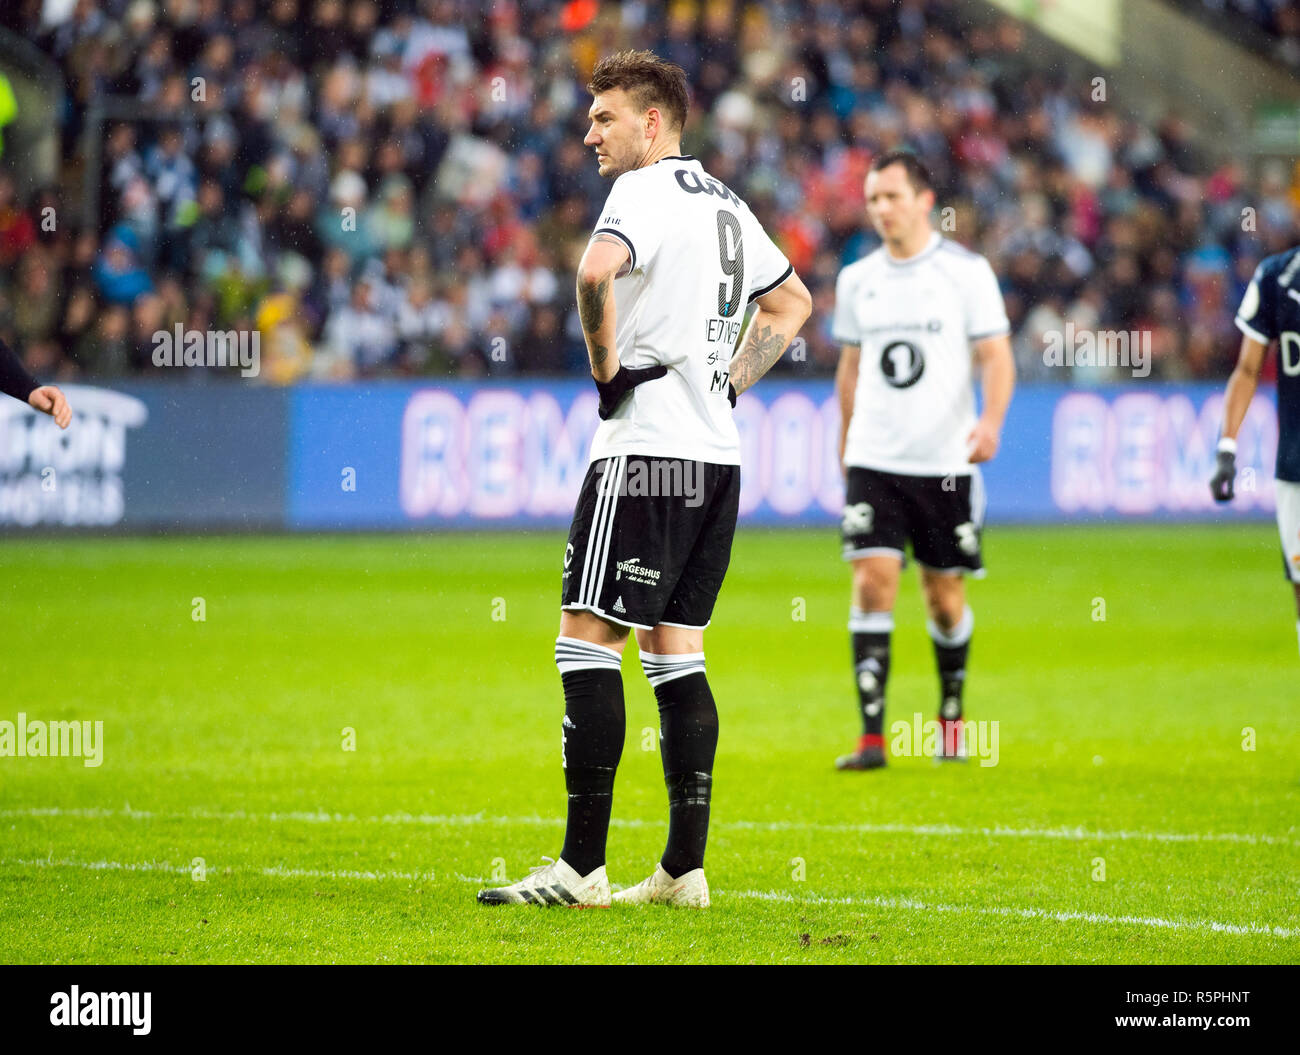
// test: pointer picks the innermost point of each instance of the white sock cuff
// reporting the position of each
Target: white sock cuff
(659, 669)
(572, 653)
(958, 635)
(861, 622)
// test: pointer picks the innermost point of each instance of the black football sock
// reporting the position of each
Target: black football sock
(591, 745)
(870, 632)
(950, 651)
(688, 741)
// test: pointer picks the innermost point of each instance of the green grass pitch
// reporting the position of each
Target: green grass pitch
(1124, 821)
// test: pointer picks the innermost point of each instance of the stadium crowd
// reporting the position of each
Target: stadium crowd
(400, 188)
(1279, 21)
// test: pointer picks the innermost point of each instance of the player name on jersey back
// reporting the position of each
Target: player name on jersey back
(914, 320)
(698, 256)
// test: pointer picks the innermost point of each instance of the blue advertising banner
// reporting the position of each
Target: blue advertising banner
(147, 456)
(154, 456)
(514, 454)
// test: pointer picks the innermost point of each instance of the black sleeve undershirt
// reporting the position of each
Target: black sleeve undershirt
(14, 379)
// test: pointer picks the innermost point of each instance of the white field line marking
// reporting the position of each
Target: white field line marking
(1056, 916)
(905, 904)
(1075, 834)
(274, 872)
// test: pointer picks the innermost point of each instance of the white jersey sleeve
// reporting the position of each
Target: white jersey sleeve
(844, 322)
(632, 220)
(986, 314)
(767, 266)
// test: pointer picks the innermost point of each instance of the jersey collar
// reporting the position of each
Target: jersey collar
(930, 247)
(677, 157)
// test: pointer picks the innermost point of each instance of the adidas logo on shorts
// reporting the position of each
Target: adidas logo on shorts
(618, 606)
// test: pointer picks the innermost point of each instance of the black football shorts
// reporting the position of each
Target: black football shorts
(651, 540)
(941, 516)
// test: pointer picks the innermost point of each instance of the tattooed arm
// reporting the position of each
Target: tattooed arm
(780, 314)
(604, 260)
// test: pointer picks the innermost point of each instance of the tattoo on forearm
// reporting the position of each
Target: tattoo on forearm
(591, 303)
(591, 311)
(761, 350)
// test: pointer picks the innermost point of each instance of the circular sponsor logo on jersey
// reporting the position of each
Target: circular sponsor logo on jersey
(902, 363)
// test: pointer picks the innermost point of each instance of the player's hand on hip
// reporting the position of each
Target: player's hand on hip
(49, 400)
(1224, 475)
(982, 443)
(615, 390)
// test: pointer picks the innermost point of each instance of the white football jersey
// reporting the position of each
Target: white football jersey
(698, 257)
(915, 319)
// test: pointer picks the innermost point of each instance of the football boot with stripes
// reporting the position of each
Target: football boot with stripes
(689, 890)
(554, 883)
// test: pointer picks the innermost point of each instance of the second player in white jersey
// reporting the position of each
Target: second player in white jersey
(915, 320)
(698, 257)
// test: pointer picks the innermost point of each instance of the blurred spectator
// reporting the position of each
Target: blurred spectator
(120, 277)
(360, 340)
(17, 228)
(421, 322)
(285, 353)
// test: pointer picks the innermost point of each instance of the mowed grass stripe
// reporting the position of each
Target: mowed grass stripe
(1074, 834)
(811, 899)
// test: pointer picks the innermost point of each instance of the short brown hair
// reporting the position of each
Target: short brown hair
(648, 80)
(918, 175)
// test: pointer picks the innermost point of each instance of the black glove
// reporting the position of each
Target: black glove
(731, 394)
(613, 391)
(1221, 482)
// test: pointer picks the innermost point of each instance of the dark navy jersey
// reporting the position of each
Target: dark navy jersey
(1270, 311)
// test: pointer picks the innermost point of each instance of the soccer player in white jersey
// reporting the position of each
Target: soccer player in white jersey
(673, 262)
(914, 319)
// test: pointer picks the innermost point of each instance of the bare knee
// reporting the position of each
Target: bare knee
(875, 584)
(671, 640)
(587, 626)
(945, 599)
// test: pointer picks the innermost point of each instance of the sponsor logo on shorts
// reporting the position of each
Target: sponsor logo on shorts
(968, 539)
(857, 519)
(637, 572)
